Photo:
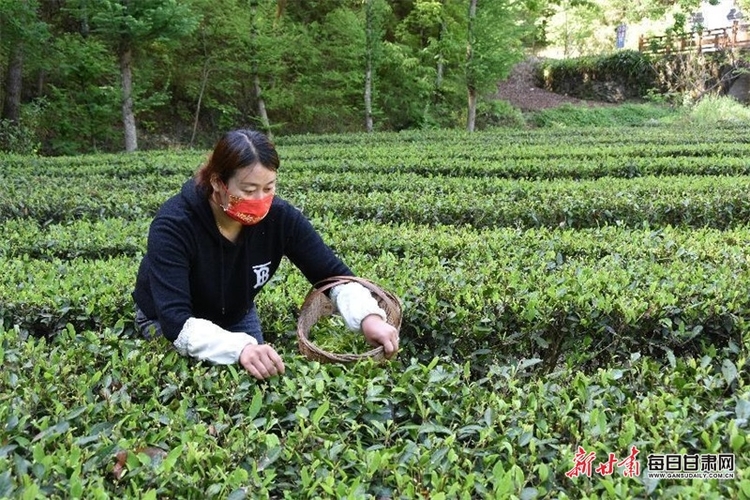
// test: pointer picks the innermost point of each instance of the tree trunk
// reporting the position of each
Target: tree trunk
(40, 80)
(369, 40)
(262, 106)
(472, 112)
(368, 97)
(280, 6)
(262, 113)
(204, 81)
(439, 75)
(470, 83)
(14, 84)
(440, 62)
(128, 117)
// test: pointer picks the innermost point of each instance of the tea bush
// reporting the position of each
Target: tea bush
(562, 289)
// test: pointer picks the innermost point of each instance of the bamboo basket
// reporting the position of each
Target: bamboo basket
(317, 305)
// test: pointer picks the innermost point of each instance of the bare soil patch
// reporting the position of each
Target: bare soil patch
(521, 91)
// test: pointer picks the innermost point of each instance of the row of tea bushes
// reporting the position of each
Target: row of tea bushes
(527, 140)
(123, 237)
(500, 292)
(95, 415)
(90, 239)
(499, 166)
(719, 202)
(177, 168)
(509, 154)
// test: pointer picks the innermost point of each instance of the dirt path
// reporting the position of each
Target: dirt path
(520, 91)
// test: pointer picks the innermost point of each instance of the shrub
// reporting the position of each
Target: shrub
(611, 77)
(23, 137)
(499, 113)
(717, 110)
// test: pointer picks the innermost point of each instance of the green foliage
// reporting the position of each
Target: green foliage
(494, 51)
(129, 24)
(684, 78)
(331, 334)
(665, 175)
(19, 22)
(89, 415)
(307, 61)
(335, 99)
(307, 57)
(127, 28)
(24, 137)
(83, 97)
(550, 200)
(591, 292)
(577, 27)
(625, 115)
(497, 113)
(712, 111)
(210, 69)
(613, 77)
(404, 90)
(579, 205)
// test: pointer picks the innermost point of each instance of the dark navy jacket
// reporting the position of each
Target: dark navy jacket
(191, 270)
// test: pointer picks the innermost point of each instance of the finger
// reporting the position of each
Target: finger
(394, 350)
(280, 368)
(390, 347)
(272, 362)
(253, 370)
(263, 364)
(276, 361)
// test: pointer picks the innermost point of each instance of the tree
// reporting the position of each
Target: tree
(471, 79)
(130, 25)
(306, 66)
(588, 27)
(211, 78)
(492, 48)
(83, 97)
(324, 79)
(427, 25)
(19, 29)
(257, 87)
(373, 38)
(14, 83)
(243, 68)
(425, 59)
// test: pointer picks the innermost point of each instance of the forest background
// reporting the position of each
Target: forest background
(82, 76)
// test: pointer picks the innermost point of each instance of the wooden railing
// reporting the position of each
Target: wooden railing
(730, 37)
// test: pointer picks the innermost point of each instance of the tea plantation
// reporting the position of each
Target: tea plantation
(576, 314)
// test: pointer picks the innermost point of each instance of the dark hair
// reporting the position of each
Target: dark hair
(237, 149)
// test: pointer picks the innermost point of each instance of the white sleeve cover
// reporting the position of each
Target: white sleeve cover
(204, 340)
(355, 302)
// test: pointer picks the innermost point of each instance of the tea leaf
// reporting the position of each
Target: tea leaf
(255, 405)
(320, 412)
(729, 371)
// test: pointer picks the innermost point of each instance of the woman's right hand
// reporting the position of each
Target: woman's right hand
(261, 361)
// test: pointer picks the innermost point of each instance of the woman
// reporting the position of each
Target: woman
(211, 249)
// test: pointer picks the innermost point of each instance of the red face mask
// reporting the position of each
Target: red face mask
(247, 211)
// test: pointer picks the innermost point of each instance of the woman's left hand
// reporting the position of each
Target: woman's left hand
(378, 332)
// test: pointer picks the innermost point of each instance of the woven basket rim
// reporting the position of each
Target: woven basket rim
(389, 301)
